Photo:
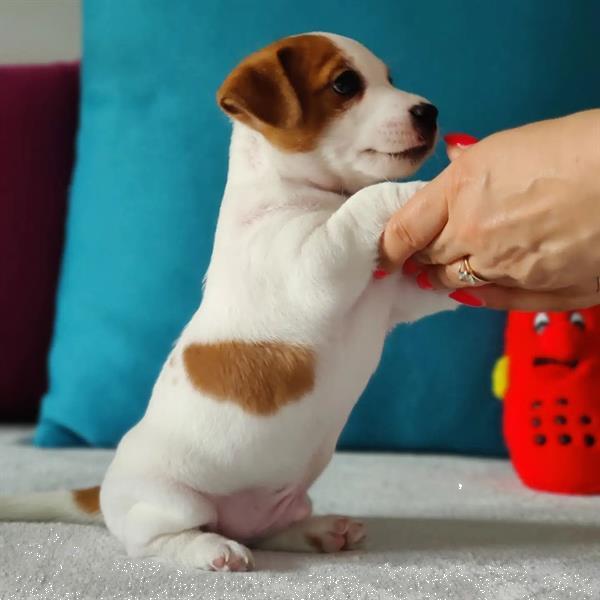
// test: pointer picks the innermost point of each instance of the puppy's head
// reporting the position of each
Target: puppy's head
(330, 98)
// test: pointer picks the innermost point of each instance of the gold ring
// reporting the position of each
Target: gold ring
(466, 274)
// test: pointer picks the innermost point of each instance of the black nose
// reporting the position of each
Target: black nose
(424, 117)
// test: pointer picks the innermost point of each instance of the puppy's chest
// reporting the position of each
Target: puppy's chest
(354, 345)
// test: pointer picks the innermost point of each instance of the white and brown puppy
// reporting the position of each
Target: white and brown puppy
(248, 407)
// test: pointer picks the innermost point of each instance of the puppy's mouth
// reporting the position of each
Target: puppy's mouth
(413, 154)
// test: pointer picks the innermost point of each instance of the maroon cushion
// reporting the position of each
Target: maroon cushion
(38, 121)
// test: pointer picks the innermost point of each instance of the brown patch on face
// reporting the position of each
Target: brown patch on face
(260, 377)
(88, 499)
(284, 91)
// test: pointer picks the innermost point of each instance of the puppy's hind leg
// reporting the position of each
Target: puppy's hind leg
(169, 521)
(328, 533)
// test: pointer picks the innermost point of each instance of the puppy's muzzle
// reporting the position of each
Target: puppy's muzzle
(424, 119)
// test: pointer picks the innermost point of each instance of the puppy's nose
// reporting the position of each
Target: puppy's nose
(424, 117)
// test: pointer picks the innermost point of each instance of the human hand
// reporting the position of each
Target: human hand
(524, 206)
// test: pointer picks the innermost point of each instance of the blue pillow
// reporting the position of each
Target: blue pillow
(152, 157)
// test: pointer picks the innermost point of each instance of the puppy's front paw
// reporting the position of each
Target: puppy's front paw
(396, 195)
(333, 533)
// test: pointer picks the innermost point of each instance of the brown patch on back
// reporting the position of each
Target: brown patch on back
(88, 499)
(260, 377)
(284, 91)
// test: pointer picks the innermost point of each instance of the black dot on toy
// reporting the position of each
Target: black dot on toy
(540, 439)
(536, 404)
(589, 440)
(560, 419)
(562, 401)
(585, 420)
(536, 421)
(564, 439)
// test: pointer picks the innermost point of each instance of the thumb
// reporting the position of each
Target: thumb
(416, 224)
(457, 143)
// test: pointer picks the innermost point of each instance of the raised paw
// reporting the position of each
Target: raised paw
(217, 553)
(335, 534)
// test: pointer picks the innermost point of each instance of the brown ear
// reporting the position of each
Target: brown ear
(259, 91)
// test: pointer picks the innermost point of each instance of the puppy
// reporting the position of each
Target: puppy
(248, 407)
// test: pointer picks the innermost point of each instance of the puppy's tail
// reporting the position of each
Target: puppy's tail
(76, 506)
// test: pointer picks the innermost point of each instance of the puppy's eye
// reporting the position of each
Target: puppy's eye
(541, 321)
(348, 83)
(577, 319)
(390, 79)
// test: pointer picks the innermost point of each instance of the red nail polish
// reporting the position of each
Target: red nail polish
(423, 281)
(380, 274)
(410, 267)
(466, 298)
(460, 139)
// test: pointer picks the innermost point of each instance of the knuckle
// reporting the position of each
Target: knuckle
(460, 172)
(533, 274)
(448, 276)
(403, 235)
(473, 234)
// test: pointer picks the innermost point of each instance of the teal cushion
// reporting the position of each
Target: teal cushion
(152, 164)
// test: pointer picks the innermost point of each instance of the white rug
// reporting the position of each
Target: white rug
(442, 528)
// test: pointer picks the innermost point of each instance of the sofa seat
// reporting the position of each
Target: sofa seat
(441, 527)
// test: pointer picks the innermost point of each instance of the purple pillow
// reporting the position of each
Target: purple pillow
(38, 122)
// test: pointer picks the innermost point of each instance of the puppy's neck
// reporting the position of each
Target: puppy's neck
(253, 161)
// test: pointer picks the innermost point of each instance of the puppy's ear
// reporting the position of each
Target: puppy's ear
(260, 91)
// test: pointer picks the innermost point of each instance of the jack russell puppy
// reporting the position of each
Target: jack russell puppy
(248, 407)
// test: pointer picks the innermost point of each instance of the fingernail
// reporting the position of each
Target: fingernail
(466, 298)
(410, 267)
(460, 139)
(380, 274)
(423, 281)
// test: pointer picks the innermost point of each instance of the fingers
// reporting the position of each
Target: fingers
(448, 276)
(424, 216)
(503, 297)
(453, 152)
(416, 224)
(514, 299)
(457, 143)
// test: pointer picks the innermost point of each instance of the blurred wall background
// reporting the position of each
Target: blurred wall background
(39, 30)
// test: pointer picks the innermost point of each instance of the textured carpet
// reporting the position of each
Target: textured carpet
(443, 528)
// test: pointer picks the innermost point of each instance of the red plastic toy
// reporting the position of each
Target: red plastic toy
(549, 379)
